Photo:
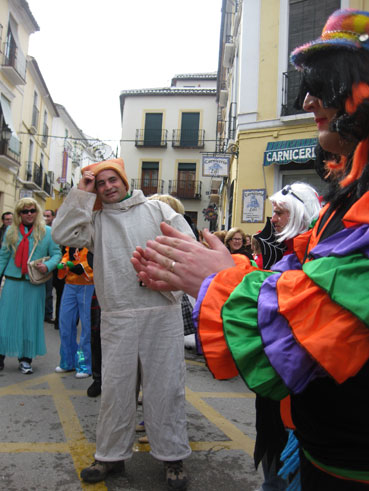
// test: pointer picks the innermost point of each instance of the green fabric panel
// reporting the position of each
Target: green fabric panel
(241, 331)
(338, 471)
(345, 279)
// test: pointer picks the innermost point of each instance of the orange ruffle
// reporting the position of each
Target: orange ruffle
(333, 336)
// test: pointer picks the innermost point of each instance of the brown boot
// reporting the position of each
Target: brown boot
(99, 470)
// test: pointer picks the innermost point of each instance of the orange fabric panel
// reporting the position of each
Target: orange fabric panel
(75, 279)
(358, 213)
(300, 243)
(286, 415)
(333, 336)
(216, 352)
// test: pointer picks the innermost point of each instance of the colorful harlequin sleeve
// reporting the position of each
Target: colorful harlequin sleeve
(213, 293)
(288, 328)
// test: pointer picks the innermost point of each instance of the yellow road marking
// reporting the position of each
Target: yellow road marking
(81, 450)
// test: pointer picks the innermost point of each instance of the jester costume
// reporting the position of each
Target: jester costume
(302, 329)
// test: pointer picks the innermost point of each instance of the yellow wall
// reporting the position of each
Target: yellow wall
(268, 61)
(251, 173)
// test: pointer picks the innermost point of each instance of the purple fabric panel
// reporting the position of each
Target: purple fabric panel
(344, 243)
(293, 364)
(200, 297)
(288, 262)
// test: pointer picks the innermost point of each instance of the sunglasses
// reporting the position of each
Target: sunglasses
(26, 212)
(288, 190)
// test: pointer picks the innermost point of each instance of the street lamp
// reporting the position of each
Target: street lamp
(6, 134)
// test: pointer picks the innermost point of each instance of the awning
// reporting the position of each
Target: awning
(284, 152)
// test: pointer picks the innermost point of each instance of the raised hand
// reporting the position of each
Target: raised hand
(87, 182)
(175, 261)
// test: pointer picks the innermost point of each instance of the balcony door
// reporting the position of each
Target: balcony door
(190, 129)
(186, 180)
(153, 129)
(149, 178)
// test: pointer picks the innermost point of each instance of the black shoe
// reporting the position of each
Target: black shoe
(176, 476)
(95, 389)
(49, 320)
(2, 358)
(99, 470)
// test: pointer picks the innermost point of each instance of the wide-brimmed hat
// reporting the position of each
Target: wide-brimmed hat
(345, 28)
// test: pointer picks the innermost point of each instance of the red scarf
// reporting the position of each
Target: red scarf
(21, 254)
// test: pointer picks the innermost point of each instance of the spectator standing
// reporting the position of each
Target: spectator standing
(22, 304)
(7, 219)
(49, 216)
(75, 306)
(235, 241)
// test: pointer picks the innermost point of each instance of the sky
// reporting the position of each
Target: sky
(88, 51)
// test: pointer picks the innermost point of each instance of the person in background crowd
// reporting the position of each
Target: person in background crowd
(220, 234)
(7, 219)
(75, 306)
(139, 327)
(49, 216)
(22, 304)
(248, 243)
(256, 252)
(235, 241)
(303, 328)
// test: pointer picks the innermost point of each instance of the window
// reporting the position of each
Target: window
(186, 180)
(35, 111)
(149, 178)
(230, 206)
(153, 129)
(190, 129)
(306, 21)
(29, 163)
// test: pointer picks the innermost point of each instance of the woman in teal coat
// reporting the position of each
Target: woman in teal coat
(22, 304)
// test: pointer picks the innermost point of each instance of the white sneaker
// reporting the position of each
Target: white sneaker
(62, 370)
(82, 375)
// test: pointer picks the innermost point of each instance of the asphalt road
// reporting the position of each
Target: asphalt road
(47, 431)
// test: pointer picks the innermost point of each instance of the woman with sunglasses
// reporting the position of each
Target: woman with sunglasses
(22, 304)
(303, 328)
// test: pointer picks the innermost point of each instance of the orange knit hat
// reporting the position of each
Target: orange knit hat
(112, 164)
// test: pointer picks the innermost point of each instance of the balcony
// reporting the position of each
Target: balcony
(188, 138)
(151, 138)
(185, 189)
(9, 158)
(148, 186)
(13, 64)
(37, 180)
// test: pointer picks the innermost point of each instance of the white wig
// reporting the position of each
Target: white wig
(301, 200)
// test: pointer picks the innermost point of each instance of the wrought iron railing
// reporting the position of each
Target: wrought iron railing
(151, 138)
(188, 138)
(14, 58)
(185, 189)
(7, 151)
(148, 186)
(37, 175)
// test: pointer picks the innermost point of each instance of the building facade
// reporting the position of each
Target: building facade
(165, 132)
(16, 25)
(273, 142)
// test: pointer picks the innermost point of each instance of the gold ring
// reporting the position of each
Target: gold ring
(171, 269)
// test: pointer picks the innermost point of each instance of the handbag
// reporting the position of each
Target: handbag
(35, 276)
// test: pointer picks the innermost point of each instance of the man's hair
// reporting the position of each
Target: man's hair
(51, 211)
(6, 213)
(302, 202)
